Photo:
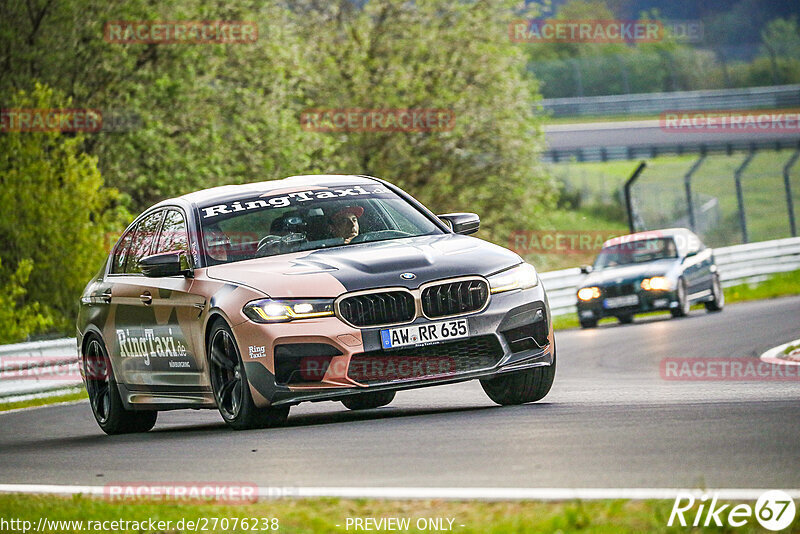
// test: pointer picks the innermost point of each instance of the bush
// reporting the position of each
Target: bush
(56, 212)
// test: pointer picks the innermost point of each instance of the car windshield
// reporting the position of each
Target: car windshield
(307, 219)
(639, 251)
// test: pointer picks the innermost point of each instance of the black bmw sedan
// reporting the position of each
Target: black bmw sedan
(649, 271)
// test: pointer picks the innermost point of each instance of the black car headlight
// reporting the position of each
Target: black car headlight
(281, 311)
(522, 276)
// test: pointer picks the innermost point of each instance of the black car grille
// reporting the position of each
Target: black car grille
(388, 307)
(454, 298)
(618, 290)
(417, 363)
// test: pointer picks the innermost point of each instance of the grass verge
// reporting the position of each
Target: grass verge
(41, 401)
(330, 515)
(778, 285)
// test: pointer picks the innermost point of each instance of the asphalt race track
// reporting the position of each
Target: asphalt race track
(647, 133)
(610, 421)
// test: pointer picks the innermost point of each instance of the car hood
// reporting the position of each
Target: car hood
(331, 272)
(628, 273)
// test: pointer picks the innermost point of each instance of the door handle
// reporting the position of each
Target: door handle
(106, 296)
(146, 297)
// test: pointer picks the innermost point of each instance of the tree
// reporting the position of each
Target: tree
(426, 54)
(18, 318)
(56, 211)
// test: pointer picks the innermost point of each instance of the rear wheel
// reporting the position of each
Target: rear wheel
(683, 300)
(231, 390)
(522, 386)
(366, 401)
(718, 302)
(107, 406)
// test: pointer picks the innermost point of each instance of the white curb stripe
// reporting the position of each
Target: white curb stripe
(771, 356)
(491, 494)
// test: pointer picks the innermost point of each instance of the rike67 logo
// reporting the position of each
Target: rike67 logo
(774, 510)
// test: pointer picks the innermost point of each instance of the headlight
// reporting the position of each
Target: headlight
(520, 277)
(280, 311)
(589, 293)
(656, 283)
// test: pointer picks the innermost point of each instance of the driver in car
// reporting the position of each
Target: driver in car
(344, 223)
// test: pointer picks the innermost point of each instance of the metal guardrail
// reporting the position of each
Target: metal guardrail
(630, 152)
(737, 264)
(52, 365)
(776, 97)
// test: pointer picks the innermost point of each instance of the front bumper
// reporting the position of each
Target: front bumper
(647, 301)
(517, 324)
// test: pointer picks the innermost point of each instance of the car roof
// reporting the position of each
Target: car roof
(649, 234)
(235, 191)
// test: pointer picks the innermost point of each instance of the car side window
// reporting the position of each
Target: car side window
(173, 235)
(143, 241)
(121, 252)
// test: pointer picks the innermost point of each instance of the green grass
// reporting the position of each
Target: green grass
(660, 196)
(323, 515)
(599, 118)
(42, 401)
(778, 285)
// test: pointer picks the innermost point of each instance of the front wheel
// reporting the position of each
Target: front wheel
(231, 390)
(107, 406)
(520, 387)
(625, 319)
(683, 300)
(367, 401)
(718, 301)
(588, 323)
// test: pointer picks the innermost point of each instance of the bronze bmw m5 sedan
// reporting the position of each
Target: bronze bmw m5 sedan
(253, 298)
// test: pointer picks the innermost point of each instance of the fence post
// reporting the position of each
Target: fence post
(628, 203)
(788, 186)
(687, 181)
(737, 176)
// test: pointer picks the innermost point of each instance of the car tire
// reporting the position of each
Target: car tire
(107, 406)
(625, 319)
(718, 301)
(367, 401)
(520, 387)
(230, 386)
(683, 300)
(588, 323)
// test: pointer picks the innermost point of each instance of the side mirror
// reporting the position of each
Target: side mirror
(690, 254)
(166, 264)
(462, 223)
(586, 269)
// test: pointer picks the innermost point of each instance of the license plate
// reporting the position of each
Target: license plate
(619, 302)
(423, 334)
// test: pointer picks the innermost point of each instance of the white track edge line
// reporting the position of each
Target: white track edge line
(416, 493)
